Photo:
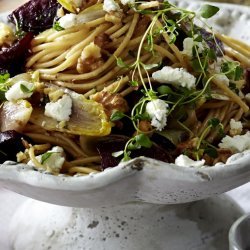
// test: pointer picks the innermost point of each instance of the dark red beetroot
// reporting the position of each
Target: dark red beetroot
(10, 145)
(116, 143)
(246, 88)
(35, 16)
(13, 58)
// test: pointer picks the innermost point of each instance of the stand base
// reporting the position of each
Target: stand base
(199, 225)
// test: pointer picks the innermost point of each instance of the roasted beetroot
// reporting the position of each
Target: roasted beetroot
(246, 88)
(214, 44)
(35, 16)
(13, 58)
(116, 143)
(10, 145)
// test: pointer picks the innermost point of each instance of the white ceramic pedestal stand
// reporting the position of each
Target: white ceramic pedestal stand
(135, 226)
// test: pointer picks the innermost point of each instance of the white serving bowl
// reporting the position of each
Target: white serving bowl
(141, 179)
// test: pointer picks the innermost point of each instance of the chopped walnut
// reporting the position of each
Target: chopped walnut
(89, 64)
(102, 40)
(90, 59)
(111, 102)
(223, 155)
(145, 126)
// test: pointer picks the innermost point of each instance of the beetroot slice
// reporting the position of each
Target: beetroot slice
(35, 16)
(116, 143)
(10, 145)
(12, 59)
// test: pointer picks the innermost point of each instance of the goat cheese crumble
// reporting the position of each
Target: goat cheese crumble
(188, 44)
(177, 77)
(237, 143)
(110, 5)
(59, 110)
(68, 20)
(185, 161)
(54, 161)
(16, 93)
(125, 2)
(157, 110)
(237, 125)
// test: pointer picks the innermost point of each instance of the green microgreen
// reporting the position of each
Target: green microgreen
(4, 77)
(232, 70)
(46, 156)
(116, 116)
(25, 89)
(215, 124)
(167, 22)
(208, 10)
(135, 143)
(120, 63)
(57, 26)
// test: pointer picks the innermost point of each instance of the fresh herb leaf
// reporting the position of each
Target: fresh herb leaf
(57, 27)
(164, 90)
(120, 63)
(116, 116)
(208, 11)
(134, 83)
(199, 65)
(144, 116)
(143, 140)
(213, 122)
(126, 156)
(212, 152)
(211, 54)
(198, 38)
(4, 77)
(46, 156)
(233, 87)
(238, 73)
(2, 96)
(25, 89)
(133, 145)
(232, 70)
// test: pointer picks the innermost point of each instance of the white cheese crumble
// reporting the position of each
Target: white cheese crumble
(54, 161)
(236, 125)
(125, 2)
(68, 20)
(59, 110)
(188, 45)
(110, 5)
(237, 143)
(91, 50)
(157, 110)
(16, 93)
(185, 161)
(177, 77)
